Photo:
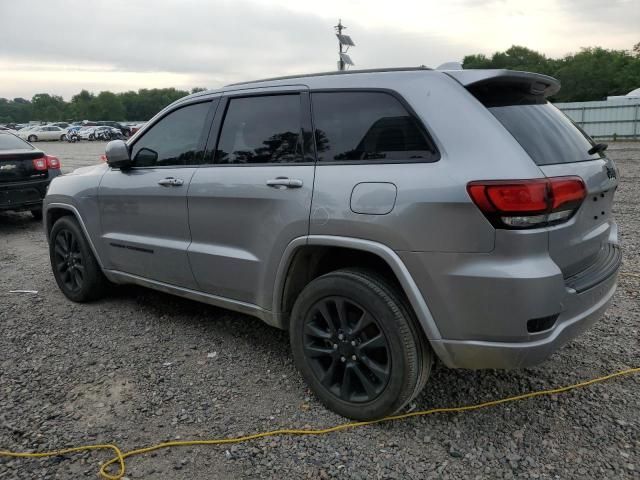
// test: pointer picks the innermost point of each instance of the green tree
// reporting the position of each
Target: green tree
(108, 106)
(48, 108)
(591, 74)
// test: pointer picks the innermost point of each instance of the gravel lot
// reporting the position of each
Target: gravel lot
(141, 367)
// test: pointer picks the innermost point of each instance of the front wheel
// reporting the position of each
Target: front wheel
(75, 269)
(358, 345)
(32, 138)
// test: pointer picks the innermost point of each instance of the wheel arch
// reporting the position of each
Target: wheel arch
(308, 257)
(55, 211)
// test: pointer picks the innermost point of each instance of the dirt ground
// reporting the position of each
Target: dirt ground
(140, 367)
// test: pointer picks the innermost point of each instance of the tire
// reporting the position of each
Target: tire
(376, 340)
(92, 137)
(63, 138)
(32, 138)
(37, 213)
(69, 252)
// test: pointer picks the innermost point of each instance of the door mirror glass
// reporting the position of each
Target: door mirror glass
(118, 155)
(146, 157)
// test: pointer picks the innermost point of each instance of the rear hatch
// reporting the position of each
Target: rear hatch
(559, 148)
(16, 160)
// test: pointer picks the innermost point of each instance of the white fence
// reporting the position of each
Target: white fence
(610, 119)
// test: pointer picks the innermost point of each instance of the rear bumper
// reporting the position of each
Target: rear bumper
(25, 195)
(582, 311)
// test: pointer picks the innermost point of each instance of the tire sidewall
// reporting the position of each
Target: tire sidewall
(346, 286)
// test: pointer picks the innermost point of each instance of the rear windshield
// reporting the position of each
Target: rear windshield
(545, 133)
(11, 142)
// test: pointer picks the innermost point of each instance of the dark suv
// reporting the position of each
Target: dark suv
(25, 173)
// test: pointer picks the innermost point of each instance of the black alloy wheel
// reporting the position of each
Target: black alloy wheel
(358, 345)
(349, 352)
(68, 260)
(74, 266)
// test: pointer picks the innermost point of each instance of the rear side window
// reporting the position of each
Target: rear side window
(367, 127)
(545, 133)
(262, 129)
(173, 140)
(11, 142)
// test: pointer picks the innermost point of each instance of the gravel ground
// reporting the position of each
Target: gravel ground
(141, 367)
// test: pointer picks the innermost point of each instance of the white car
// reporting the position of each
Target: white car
(45, 132)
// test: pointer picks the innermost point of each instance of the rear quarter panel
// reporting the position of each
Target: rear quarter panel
(433, 211)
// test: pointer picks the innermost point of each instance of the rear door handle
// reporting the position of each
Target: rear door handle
(285, 182)
(171, 182)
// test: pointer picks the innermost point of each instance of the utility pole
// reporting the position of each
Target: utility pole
(343, 40)
(339, 29)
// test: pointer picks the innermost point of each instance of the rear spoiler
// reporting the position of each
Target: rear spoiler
(537, 83)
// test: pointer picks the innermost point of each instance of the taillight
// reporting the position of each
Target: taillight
(528, 203)
(53, 162)
(40, 164)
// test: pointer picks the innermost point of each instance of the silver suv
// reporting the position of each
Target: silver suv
(385, 218)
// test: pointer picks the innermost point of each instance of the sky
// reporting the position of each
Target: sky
(63, 46)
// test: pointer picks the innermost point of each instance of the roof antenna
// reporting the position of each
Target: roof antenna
(343, 40)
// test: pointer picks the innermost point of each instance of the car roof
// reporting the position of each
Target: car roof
(371, 77)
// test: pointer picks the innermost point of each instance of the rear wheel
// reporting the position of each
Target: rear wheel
(32, 138)
(75, 269)
(357, 344)
(63, 138)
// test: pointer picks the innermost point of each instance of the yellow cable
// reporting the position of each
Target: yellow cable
(121, 456)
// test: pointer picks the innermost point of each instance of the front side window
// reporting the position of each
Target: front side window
(367, 126)
(174, 140)
(261, 129)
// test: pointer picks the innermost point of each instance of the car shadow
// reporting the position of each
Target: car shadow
(446, 387)
(17, 221)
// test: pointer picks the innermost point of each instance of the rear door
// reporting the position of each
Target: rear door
(145, 226)
(560, 148)
(254, 195)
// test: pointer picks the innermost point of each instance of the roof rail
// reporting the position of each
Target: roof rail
(338, 72)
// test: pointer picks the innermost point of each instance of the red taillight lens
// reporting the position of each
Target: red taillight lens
(53, 162)
(40, 164)
(528, 203)
(567, 192)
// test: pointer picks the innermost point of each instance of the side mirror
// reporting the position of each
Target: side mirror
(118, 155)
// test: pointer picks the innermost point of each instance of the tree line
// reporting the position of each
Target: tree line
(131, 106)
(591, 74)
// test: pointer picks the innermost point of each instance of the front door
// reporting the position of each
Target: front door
(254, 196)
(145, 224)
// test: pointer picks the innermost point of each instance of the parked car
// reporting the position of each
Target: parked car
(25, 174)
(136, 127)
(99, 133)
(41, 133)
(7, 129)
(124, 129)
(59, 124)
(431, 214)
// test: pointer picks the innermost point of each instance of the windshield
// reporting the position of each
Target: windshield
(545, 133)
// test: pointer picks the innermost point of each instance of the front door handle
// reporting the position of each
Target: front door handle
(171, 182)
(285, 182)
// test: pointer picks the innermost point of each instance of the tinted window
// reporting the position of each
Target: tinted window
(261, 130)
(11, 142)
(174, 139)
(367, 126)
(545, 133)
